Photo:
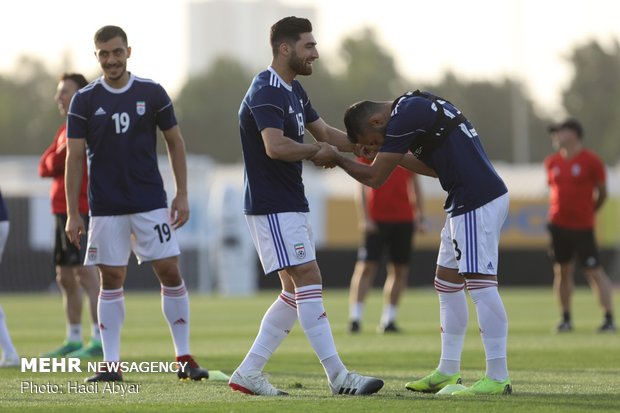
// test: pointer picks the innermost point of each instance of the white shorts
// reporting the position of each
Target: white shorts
(470, 242)
(282, 240)
(148, 234)
(4, 235)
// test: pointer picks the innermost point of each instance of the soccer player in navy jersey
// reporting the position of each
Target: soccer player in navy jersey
(116, 118)
(273, 117)
(9, 358)
(429, 135)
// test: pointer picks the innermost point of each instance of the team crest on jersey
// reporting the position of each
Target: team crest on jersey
(141, 107)
(92, 253)
(300, 251)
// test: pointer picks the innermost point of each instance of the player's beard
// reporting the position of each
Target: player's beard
(122, 69)
(298, 65)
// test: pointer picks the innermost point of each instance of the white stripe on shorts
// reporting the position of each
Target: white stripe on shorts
(469, 242)
(471, 235)
(278, 241)
(282, 239)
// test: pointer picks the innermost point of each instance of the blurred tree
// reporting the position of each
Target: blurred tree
(326, 93)
(208, 104)
(593, 97)
(28, 114)
(207, 108)
(369, 73)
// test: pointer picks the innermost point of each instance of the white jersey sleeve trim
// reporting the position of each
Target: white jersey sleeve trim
(266, 104)
(169, 104)
(405, 134)
(76, 115)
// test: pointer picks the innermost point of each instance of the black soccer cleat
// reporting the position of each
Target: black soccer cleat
(608, 326)
(354, 327)
(564, 327)
(104, 376)
(388, 328)
(191, 370)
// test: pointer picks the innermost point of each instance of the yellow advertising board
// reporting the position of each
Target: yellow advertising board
(525, 227)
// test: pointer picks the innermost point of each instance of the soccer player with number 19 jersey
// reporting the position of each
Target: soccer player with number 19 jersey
(116, 118)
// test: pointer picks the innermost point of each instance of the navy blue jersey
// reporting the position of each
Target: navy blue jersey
(4, 213)
(273, 186)
(120, 128)
(460, 162)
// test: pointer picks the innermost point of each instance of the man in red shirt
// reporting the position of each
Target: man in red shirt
(576, 177)
(70, 273)
(387, 218)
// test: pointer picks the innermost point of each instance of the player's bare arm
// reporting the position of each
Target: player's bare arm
(73, 182)
(373, 175)
(324, 157)
(600, 195)
(179, 208)
(323, 132)
(281, 148)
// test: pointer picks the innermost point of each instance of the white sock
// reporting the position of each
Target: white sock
(5, 338)
(313, 320)
(175, 306)
(389, 314)
(454, 316)
(95, 334)
(111, 314)
(493, 324)
(356, 311)
(74, 332)
(277, 322)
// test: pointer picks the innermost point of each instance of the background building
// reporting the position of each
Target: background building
(236, 29)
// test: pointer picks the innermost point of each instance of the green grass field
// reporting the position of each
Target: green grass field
(550, 373)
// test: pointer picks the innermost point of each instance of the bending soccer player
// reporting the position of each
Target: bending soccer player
(430, 136)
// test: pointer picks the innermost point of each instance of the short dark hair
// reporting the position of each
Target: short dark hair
(356, 118)
(110, 32)
(79, 80)
(571, 124)
(288, 29)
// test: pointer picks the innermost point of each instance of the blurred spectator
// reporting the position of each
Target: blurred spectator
(387, 217)
(71, 275)
(576, 177)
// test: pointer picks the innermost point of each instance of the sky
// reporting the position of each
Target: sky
(476, 39)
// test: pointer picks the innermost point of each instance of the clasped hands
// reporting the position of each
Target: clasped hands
(328, 155)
